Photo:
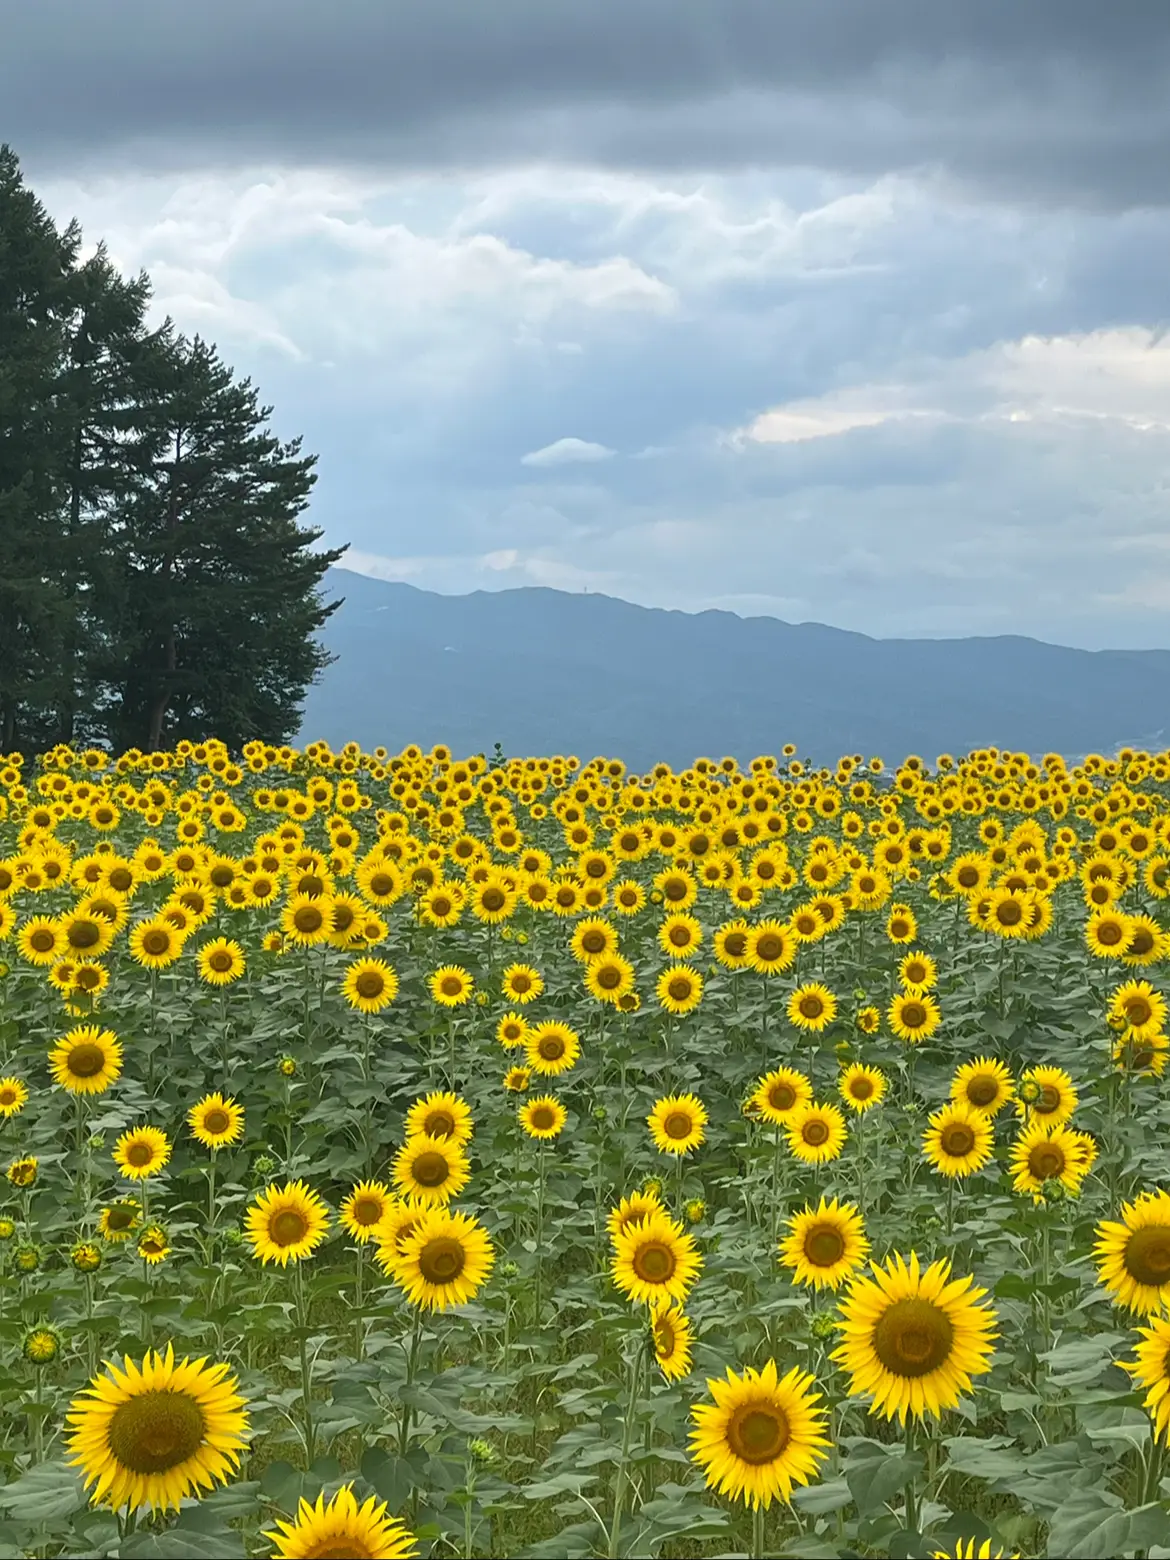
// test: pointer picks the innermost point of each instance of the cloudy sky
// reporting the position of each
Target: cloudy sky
(827, 309)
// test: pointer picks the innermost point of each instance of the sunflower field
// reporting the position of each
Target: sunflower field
(406, 1155)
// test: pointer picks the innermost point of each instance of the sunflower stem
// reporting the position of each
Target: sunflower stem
(912, 1485)
(620, 1481)
(411, 1363)
(306, 1373)
(757, 1549)
(539, 1241)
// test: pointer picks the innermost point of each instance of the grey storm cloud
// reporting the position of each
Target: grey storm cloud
(1059, 101)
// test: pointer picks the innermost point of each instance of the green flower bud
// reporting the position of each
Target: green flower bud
(41, 1345)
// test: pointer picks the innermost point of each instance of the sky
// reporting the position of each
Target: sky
(823, 309)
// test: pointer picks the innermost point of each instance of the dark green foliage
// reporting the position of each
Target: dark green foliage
(154, 581)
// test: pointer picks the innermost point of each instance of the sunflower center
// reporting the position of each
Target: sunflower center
(442, 1260)
(815, 1133)
(381, 884)
(915, 974)
(680, 988)
(221, 961)
(957, 1140)
(1046, 1162)
(654, 1263)
(439, 1123)
(86, 1061)
(1138, 1011)
(824, 1245)
(913, 1337)
(288, 1228)
(42, 940)
(120, 1218)
(811, 1006)
(782, 1096)
(1147, 1255)
(153, 1432)
(551, 1048)
(769, 947)
(520, 983)
(982, 1092)
(757, 1433)
(1049, 1100)
(216, 1121)
(308, 919)
(84, 934)
(593, 942)
(663, 1338)
(1142, 941)
(430, 1169)
(914, 1015)
(139, 1154)
(861, 1088)
(370, 984)
(734, 944)
(543, 1118)
(968, 877)
(609, 978)
(1109, 933)
(680, 936)
(677, 1125)
(493, 899)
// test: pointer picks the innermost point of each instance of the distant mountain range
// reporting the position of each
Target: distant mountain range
(546, 671)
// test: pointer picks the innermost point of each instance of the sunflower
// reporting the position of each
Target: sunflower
(542, 1117)
(22, 1172)
(680, 936)
(918, 970)
(153, 1245)
(609, 977)
(400, 1216)
(1046, 1152)
(861, 1087)
(443, 1261)
(120, 1220)
(1151, 1369)
(771, 947)
(1108, 934)
(763, 1434)
(153, 1434)
(307, 919)
(868, 1019)
(551, 1048)
(592, 938)
(220, 962)
(984, 1084)
(517, 1079)
(670, 1337)
(511, 1030)
(912, 1340)
(1133, 1255)
(451, 986)
(1046, 1094)
(676, 1123)
(679, 989)
(155, 943)
(778, 1094)
(13, 1096)
(342, 1528)
(816, 1133)
(632, 1210)
(364, 1209)
(286, 1223)
(141, 1152)
(442, 1115)
(901, 926)
(824, 1245)
(369, 985)
(1137, 1005)
(86, 935)
(730, 944)
(812, 1007)
(216, 1122)
(913, 1016)
(971, 1549)
(433, 1169)
(655, 1259)
(521, 983)
(958, 1140)
(87, 1060)
(40, 941)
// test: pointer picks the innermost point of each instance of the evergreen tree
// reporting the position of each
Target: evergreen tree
(217, 600)
(35, 266)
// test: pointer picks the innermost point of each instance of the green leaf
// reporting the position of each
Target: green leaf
(875, 1472)
(180, 1544)
(1091, 1523)
(44, 1494)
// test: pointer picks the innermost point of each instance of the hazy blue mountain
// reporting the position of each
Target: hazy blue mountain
(546, 671)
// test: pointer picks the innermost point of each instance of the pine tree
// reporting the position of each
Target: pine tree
(217, 598)
(36, 263)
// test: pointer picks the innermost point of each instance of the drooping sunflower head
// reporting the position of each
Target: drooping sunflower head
(670, 1336)
(824, 1245)
(762, 1435)
(215, 1121)
(151, 1434)
(286, 1223)
(120, 1220)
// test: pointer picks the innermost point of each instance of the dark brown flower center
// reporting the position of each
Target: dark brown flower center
(654, 1263)
(678, 1125)
(442, 1260)
(86, 1061)
(913, 1337)
(758, 1433)
(288, 1228)
(1147, 1255)
(431, 1169)
(824, 1245)
(153, 1432)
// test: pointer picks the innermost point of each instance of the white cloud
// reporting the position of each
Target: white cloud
(564, 451)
